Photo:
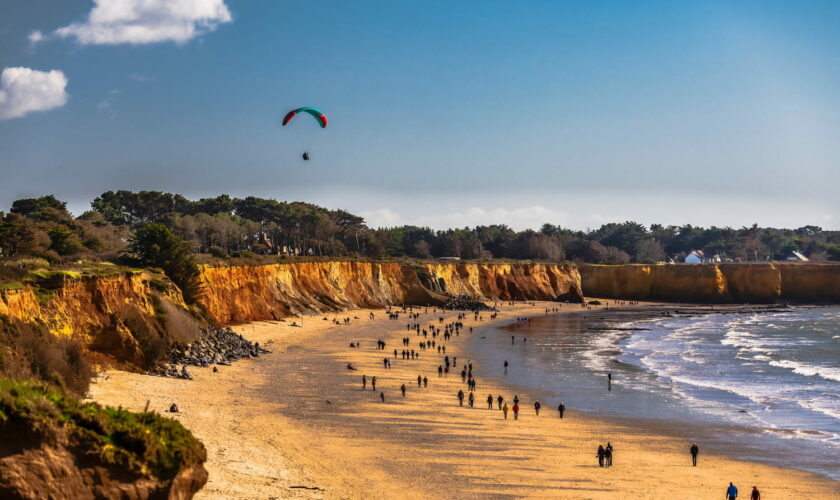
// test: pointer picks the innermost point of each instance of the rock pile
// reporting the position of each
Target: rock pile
(215, 346)
(465, 303)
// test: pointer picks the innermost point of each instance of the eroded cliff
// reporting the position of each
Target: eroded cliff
(710, 283)
(249, 293)
(122, 316)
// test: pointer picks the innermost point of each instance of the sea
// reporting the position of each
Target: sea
(760, 386)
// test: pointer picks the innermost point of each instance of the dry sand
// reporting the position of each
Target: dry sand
(296, 419)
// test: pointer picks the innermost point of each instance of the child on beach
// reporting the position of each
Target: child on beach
(505, 410)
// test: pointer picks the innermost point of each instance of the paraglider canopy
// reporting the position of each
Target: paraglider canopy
(320, 116)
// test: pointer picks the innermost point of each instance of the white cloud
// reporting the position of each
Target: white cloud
(381, 218)
(147, 21)
(24, 90)
(522, 217)
(35, 37)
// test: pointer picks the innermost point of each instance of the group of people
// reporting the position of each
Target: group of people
(604, 454)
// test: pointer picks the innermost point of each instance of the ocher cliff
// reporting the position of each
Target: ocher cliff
(120, 315)
(248, 293)
(756, 283)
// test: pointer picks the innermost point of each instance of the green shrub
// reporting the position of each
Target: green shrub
(145, 443)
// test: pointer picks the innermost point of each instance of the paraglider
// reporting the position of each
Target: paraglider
(315, 112)
(320, 116)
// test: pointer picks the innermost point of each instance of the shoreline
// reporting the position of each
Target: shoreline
(736, 438)
(268, 427)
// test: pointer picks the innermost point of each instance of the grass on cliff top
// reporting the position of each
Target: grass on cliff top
(145, 443)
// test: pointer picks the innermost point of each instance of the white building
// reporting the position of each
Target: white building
(695, 257)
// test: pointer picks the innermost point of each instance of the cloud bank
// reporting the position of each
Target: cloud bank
(25, 90)
(137, 22)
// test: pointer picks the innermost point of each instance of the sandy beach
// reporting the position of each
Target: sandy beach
(295, 423)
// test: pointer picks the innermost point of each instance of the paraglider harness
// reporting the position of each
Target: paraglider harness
(305, 156)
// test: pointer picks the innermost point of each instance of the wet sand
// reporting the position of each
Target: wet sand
(286, 423)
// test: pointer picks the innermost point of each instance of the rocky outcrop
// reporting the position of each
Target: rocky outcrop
(715, 283)
(249, 293)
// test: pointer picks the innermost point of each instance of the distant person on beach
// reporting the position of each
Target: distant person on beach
(609, 381)
(608, 454)
(489, 401)
(694, 450)
(373, 383)
(537, 407)
(755, 495)
(425, 382)
(403, 389)
(561, 409)
(731, 492)
(516, 399)
(471, 399)
(440, 371)
(364, 382)
(461, 398)
(506, 366)
(505, 410)
(601, 454)
(382, 396)
(516, 411)
(500, 400)
(419, 380)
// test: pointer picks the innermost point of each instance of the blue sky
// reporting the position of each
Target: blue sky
(442, 113)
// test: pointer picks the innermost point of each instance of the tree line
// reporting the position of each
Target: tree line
(224, 226)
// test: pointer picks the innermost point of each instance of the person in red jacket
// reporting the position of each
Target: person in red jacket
(516, 411)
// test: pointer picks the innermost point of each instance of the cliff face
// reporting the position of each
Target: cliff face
(756, 283)
(241, 294)
(506, 281)
(114, 315)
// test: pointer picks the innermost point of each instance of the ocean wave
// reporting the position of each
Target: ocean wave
(809, 370)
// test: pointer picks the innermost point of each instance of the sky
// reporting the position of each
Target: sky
(441, 113)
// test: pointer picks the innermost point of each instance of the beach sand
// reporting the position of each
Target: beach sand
(295, 423)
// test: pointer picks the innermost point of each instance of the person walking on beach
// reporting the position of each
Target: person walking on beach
(731, 492)
(471, 399)
(537, 407)
(694, 450)
(609, 381)
(373, 383)
(382, 396)
(425, 382)
(440, 371)
(506, 366)
(419, 380)
(516, 411)
(489, 401)
(364, 382)
(755, 495)
(505, 410)
(461, 398)
(403, 389)
(608, 454)
(601, 454)
(561, 409)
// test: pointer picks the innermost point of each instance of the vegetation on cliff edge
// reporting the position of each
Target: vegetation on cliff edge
(145, 443)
